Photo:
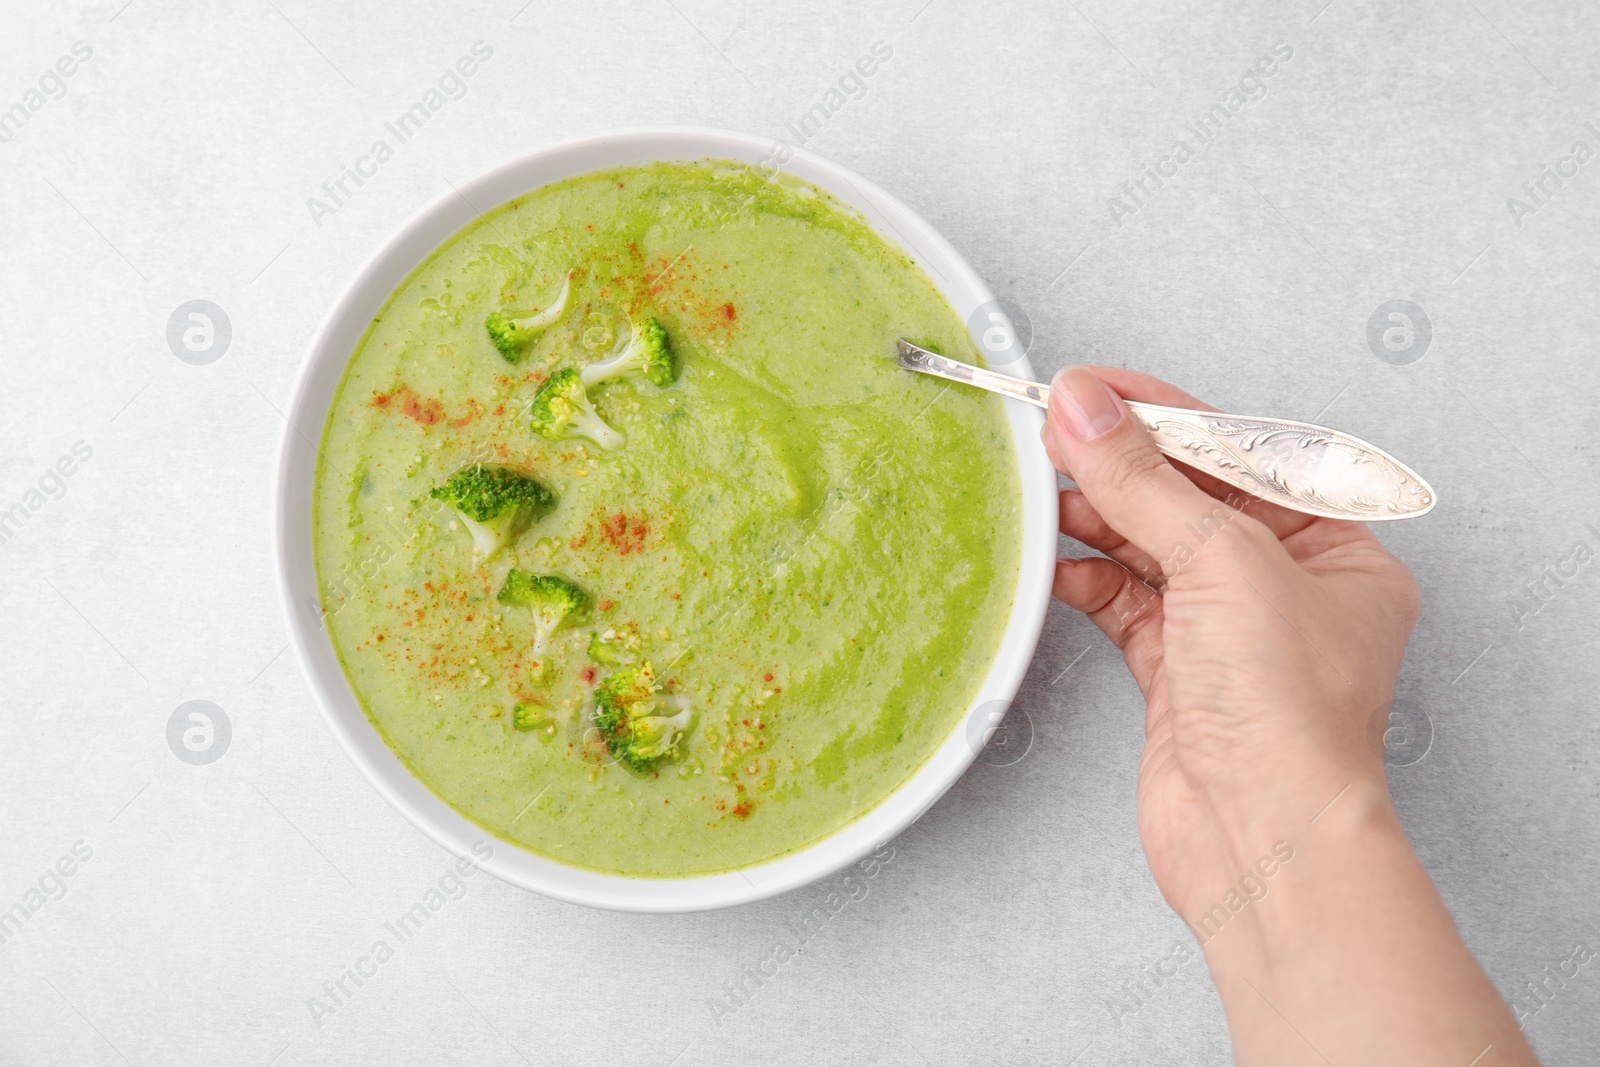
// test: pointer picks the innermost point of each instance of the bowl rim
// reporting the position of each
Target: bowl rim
(300, 597)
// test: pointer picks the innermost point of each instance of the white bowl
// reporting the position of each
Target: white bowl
(297, 582)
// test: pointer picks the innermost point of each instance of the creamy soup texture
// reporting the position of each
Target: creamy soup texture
(813, 551)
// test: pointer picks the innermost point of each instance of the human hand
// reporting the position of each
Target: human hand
(1267, 644)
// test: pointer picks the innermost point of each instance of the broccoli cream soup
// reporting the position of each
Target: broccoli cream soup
(633, 539)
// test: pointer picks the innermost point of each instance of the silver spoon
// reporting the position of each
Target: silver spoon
(1297, 465)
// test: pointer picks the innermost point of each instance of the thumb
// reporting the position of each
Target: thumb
(1093, 439)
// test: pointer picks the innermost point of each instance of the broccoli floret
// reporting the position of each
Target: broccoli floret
(550, 599)
(494, 503)
(648, 352)
(529, 715)
(513, 334)
(561, 409)
(614, 647)
(639, 728)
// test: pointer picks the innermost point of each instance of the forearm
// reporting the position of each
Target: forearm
(1350, 957)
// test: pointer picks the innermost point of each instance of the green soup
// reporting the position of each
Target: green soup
(815, 550)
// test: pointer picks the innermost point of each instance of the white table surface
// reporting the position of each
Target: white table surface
(177, 165)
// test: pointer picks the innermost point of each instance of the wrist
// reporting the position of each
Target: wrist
(1280, 848)
(1344, 801)
(1348, 927)
(1290, 792)
(1278, 851)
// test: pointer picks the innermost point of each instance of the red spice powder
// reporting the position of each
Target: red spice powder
(474, 409)
(624, 534)
(425, 410)
(672, 280)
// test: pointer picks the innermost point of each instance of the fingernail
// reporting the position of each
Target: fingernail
(1086, 405)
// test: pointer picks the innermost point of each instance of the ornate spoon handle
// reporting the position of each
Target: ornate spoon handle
(1297, 465)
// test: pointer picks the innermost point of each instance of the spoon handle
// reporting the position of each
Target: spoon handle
(1297, 465)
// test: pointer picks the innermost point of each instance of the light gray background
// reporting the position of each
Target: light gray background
(219, 898)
